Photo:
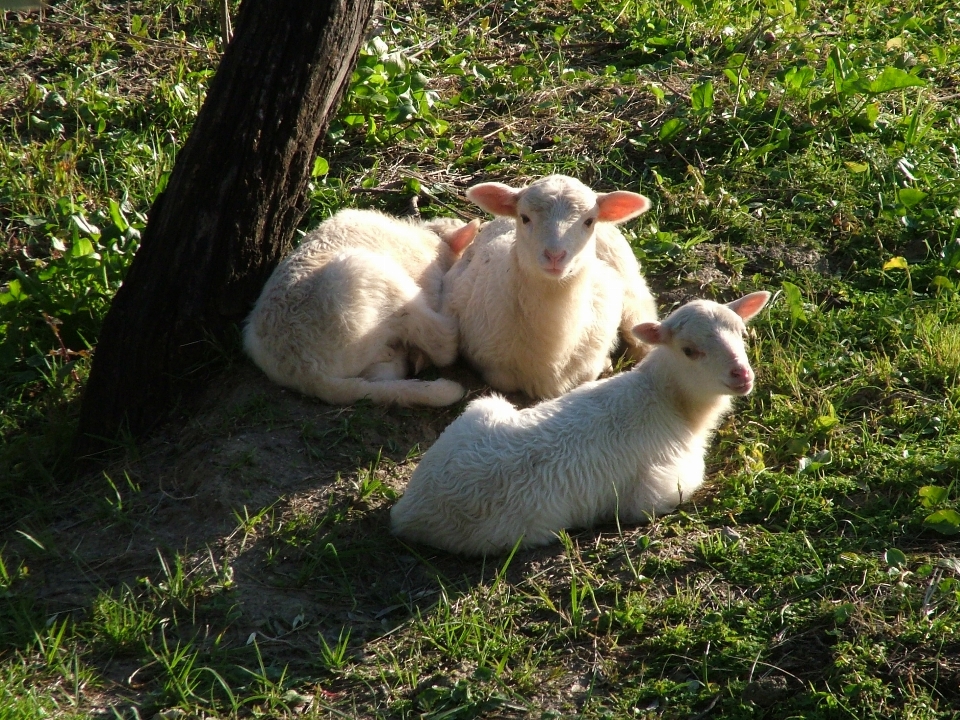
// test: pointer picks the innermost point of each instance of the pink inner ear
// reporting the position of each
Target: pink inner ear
(460, 238)
(495, 198)
(652, 333)
(616, 207)
(749, 305)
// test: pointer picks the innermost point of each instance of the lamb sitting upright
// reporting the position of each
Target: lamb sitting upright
(539, 302)
(343, 315)
(629, 446)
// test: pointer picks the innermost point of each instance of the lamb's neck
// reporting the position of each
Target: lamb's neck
(547, 304)
(702, 414)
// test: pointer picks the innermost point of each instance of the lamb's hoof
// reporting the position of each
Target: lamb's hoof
(445, 392)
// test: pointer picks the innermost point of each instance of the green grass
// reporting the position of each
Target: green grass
(808, 148)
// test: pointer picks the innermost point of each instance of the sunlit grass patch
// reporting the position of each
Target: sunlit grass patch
(123, 621)
(940, 343)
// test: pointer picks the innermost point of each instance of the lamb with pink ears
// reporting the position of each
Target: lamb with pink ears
(356, 307)
(631, 446)
(542, 292)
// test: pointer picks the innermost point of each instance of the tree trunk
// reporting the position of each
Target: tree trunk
(233, 201)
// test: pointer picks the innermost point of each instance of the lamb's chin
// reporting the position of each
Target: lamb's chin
(744, 388)
(557, 274)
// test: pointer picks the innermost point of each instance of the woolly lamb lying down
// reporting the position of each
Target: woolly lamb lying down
(343, 315)
(539, 302)
(631, 445)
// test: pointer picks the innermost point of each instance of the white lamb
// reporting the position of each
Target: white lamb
(346, 313)
(630, 446)
(541, 293)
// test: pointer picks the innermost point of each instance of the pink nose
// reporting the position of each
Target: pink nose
(742, 373)
(554, 256)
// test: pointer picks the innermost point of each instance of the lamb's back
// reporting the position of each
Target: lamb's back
(406, 242)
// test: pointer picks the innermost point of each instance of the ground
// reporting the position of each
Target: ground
(238, 562)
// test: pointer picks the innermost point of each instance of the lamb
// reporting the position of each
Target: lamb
(345, 315)
(629, 446)
(540, 293)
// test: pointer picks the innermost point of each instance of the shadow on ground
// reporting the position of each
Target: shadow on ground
(265, 515)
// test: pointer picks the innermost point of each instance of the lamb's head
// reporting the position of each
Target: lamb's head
(456, 236)
(556, 217)
(706, 340)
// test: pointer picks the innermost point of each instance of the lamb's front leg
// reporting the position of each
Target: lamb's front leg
(436, 334)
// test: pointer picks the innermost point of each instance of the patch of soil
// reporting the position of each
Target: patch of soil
(278, 500)
(715, 269)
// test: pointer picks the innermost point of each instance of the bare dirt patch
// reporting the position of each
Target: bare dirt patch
(278, 499)
(716, 270)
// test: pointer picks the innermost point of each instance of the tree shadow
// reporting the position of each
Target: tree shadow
(254, 532)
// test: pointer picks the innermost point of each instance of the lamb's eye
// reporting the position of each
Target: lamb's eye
(525, 219)
(689, 352)
(588, 222)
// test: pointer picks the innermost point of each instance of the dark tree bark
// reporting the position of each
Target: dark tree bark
(228, 213)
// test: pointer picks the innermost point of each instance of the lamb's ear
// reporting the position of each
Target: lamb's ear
(496, 198)
(749, 305)
(619, 206)
(652, 333)
(462, 236)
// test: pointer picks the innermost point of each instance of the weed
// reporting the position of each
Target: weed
(124, 621)
(335, 656)
(369, 484)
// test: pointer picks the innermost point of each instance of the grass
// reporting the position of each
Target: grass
(240, 565)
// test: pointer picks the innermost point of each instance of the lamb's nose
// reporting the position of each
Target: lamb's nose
(742, 372)
(554, 256)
